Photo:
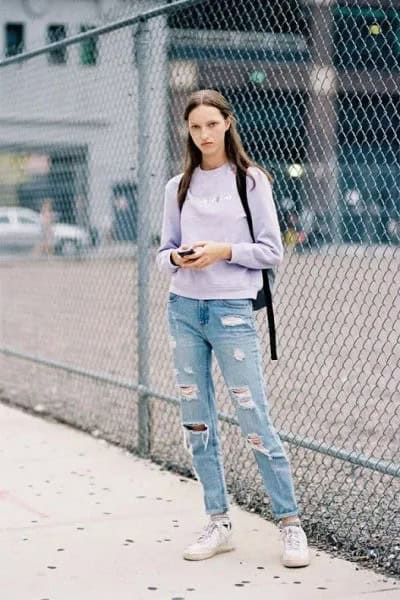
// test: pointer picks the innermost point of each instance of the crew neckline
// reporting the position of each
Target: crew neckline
(216, 169)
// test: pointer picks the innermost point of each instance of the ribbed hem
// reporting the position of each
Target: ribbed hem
(217, 294)
(283, 525)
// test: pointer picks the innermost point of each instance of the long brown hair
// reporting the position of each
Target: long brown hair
(233, 145)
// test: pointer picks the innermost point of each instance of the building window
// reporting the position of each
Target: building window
(271, 122)
(367, 121)
(273, 16)
(14, 38)
(88, 48)
(56, 33)
(366, 38)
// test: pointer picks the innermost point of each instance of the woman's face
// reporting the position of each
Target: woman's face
(207, 128)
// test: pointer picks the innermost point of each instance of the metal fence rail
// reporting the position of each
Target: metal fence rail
(91, 140)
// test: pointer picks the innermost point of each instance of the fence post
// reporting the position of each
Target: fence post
(152, 153)
(143, 42)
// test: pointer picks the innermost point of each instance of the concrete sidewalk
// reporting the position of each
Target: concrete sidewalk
(83, 520)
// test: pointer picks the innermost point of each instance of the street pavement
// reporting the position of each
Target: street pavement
(81, 519)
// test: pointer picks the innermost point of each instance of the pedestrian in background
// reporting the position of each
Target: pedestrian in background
(215, 270)
(47, 221)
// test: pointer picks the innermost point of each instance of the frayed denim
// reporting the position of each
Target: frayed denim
(225, 327)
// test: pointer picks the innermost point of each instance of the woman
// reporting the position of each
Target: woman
(215, 271)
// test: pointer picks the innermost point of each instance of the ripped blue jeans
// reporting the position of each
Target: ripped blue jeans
(198, 327)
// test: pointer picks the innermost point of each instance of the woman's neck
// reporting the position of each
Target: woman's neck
(213, 162)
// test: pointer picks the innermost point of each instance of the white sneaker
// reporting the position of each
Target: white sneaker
(214, 539)
(295, 551)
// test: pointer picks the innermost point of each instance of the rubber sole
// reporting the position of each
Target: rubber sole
(210, 554)
(294, 565)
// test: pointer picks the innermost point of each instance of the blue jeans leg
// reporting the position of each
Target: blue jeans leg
(192, 359)
(234, 339)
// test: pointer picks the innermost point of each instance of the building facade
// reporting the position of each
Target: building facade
(315, 87)
(68, 117)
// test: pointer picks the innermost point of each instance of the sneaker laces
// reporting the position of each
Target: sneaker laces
(208, 531)
(292, 537)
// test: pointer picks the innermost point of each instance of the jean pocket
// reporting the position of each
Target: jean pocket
(239, 304)
(172, 297)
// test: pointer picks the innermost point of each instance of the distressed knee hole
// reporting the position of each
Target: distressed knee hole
(187, 392)
(232, 321)
(243, 397)
(196, 427)
(256, 443)
(195, 436)
(238, 354)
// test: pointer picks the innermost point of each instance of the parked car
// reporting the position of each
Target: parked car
(393, 228)
(21, 231)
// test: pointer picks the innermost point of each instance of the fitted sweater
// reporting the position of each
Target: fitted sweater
(213, 211)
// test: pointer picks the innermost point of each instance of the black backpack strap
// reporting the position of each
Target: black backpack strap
(270, 315)
(242, 189)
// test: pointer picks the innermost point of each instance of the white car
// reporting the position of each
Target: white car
(20, 230)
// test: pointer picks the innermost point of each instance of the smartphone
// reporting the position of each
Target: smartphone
(187, 252)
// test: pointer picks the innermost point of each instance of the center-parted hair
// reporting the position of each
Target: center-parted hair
(233, 145)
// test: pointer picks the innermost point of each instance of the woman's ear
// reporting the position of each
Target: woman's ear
(228, 122)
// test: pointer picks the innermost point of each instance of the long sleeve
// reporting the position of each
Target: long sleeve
(267, 251)
(171, 227)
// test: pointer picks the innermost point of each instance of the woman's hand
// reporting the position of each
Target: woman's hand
(176, 259)
(180, 261)
(207, 253)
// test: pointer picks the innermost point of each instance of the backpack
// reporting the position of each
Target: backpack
(264, 296)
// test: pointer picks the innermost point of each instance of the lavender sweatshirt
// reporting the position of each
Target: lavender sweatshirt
(213, 211)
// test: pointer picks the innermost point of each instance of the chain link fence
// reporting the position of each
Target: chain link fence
(91, 130)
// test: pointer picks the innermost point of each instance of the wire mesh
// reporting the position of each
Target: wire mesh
(88, 143)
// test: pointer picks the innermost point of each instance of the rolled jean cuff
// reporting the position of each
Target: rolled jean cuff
(287, 514)
(218, 511)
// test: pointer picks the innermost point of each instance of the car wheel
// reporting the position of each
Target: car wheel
(393, 230)
(69, 248)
